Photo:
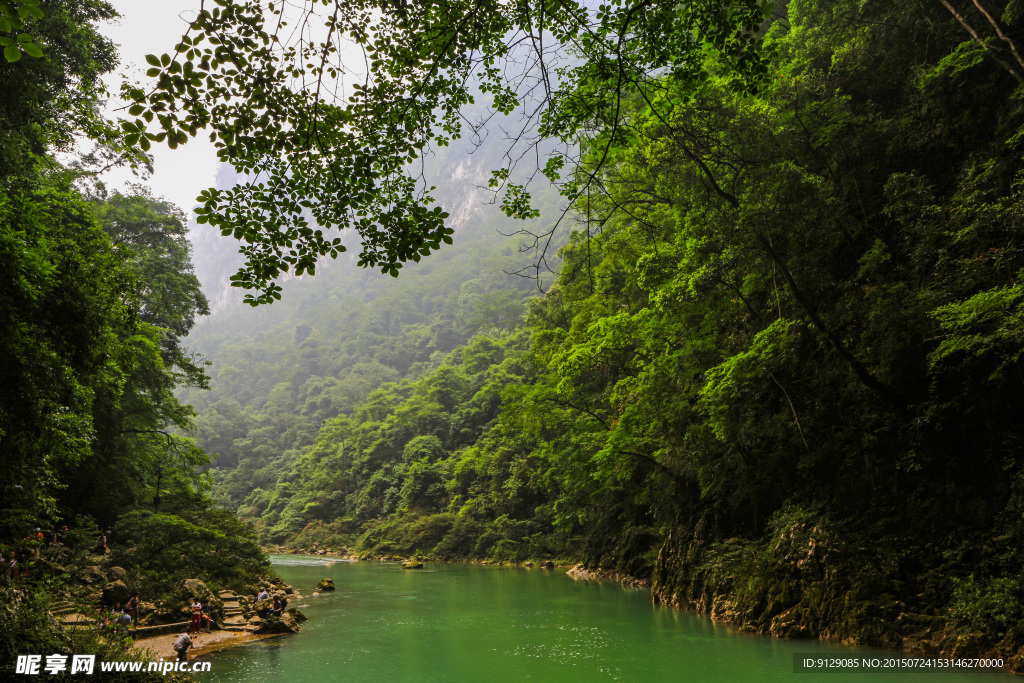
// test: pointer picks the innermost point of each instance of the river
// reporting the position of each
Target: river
(458, 622)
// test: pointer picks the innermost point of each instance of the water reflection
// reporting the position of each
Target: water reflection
(467, 622)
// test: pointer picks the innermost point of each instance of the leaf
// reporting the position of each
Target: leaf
(12, 53)
(33, 49)
(153, 60)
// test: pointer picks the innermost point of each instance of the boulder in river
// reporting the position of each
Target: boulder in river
(286, 623)
(116, 592)
(325, 585)
(412, 564)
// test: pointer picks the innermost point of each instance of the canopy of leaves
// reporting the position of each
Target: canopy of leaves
(329, 143)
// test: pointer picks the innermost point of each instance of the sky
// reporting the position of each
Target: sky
(149, 27)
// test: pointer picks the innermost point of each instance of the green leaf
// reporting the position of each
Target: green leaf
(153, 59)
(33, 49)
(12, 53)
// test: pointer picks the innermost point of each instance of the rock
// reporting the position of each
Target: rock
(254, 621)
(412, 564)
(547, 564)
(162, 615)
(315, 594)
(286, 623)
(325, 585)
(116, 573)
(527, 564)
(296, 614)
(198, 589)
(116, 592)
(92, 575)
(263, 606)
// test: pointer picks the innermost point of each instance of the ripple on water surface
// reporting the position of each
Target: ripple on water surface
(468, 622)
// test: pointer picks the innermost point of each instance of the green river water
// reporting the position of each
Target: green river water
(456, 622)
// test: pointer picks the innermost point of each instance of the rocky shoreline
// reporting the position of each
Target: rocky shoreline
(580, 572)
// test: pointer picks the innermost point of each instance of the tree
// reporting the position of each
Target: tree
(321, 155)
(48, 98)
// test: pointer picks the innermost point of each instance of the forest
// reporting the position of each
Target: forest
(775, 370)
(98, 293)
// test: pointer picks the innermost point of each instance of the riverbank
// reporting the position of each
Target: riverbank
(162, 647)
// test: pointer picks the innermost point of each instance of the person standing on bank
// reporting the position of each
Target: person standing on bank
(133, 609)
(197, 616)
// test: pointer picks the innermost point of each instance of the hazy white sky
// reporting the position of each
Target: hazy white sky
(148, 27)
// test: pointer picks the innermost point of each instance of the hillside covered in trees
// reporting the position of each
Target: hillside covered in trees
(779, 373)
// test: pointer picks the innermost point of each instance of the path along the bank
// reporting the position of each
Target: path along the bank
(157, 642)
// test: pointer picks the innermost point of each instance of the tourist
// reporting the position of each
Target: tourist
(263, 595)
(197, 616)
(181, 646)
(122, 618)
(101, 544)
(207, 615)
(278, 608)
(133, 609)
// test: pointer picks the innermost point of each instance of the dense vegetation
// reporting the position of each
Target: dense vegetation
(780, 372)
(97, 293)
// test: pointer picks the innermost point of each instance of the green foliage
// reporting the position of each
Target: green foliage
(197, 543)
(344, 160)
(989, 607)
(780, 367)
(26, 626)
